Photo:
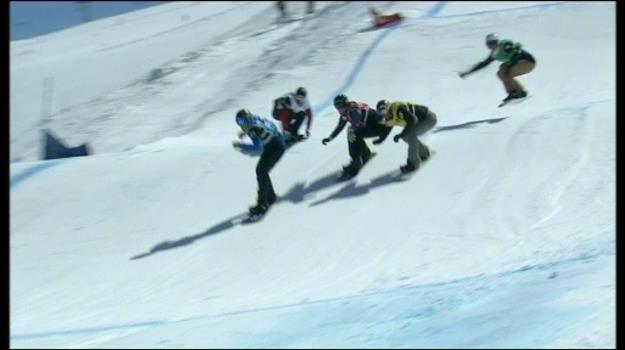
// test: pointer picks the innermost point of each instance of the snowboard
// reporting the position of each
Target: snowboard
(292, 142)
(252, 218)
(423, 162)
(513, 101)
(345, 177)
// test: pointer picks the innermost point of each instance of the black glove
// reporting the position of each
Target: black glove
(397, 137)
(326, 140)
(378, 141)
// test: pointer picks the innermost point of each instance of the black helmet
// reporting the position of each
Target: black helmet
(243, 117)
(491, 38)
(301, 92)
(340, 101)
(382, 106)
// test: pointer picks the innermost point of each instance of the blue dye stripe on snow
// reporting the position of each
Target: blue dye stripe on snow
(596, 251)
(542, 6)
(434, 10)
(354, 73)
(87, 330)
(28, 173)
(35, 169)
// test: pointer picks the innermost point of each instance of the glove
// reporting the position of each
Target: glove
(462, 74)
(397, 137)
(326, 140)
(307, 133)
(378, 141)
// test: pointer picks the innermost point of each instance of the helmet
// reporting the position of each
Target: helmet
(243, 117)
(340, 101)
(492, 38)
(301, 92)
(382, 106)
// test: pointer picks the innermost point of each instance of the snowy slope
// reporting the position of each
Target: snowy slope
(89, 64)
(504, 239)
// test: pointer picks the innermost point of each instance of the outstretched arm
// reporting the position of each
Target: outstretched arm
(255, 147)
(477, 67)
(339, 128)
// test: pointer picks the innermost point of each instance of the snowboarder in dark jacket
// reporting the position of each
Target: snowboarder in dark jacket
(364, 122)
(262, 132)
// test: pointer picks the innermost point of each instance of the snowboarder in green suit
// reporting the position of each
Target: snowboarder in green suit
(516, 61)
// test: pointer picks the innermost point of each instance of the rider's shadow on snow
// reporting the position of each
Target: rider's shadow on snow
(351, 190)
(166, 245)
(299, 191)
(468, 125)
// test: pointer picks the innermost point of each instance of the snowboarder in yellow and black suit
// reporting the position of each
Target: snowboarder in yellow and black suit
(416, 120)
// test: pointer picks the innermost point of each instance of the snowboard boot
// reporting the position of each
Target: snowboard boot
(515, 94)
(407, 168)
(519, 94)
(258, 209)
(272, 199)
(349, 171)
(508, 98)
(424, 152)
(367, 158)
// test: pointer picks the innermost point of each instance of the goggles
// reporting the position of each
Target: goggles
(241, 121)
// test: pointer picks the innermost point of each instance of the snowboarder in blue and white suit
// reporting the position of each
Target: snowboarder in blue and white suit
(267, 136)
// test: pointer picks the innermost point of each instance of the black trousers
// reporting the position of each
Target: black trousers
(358, 149)
(296, 121)
(272, 152)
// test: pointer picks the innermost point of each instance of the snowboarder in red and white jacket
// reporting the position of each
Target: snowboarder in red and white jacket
(291, 110)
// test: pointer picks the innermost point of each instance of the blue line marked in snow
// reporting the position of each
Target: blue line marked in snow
(434, 11)
(542, 6)
(91, 330)
(317, 109)
(355, 71)
(35, 169)
(595, 253)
